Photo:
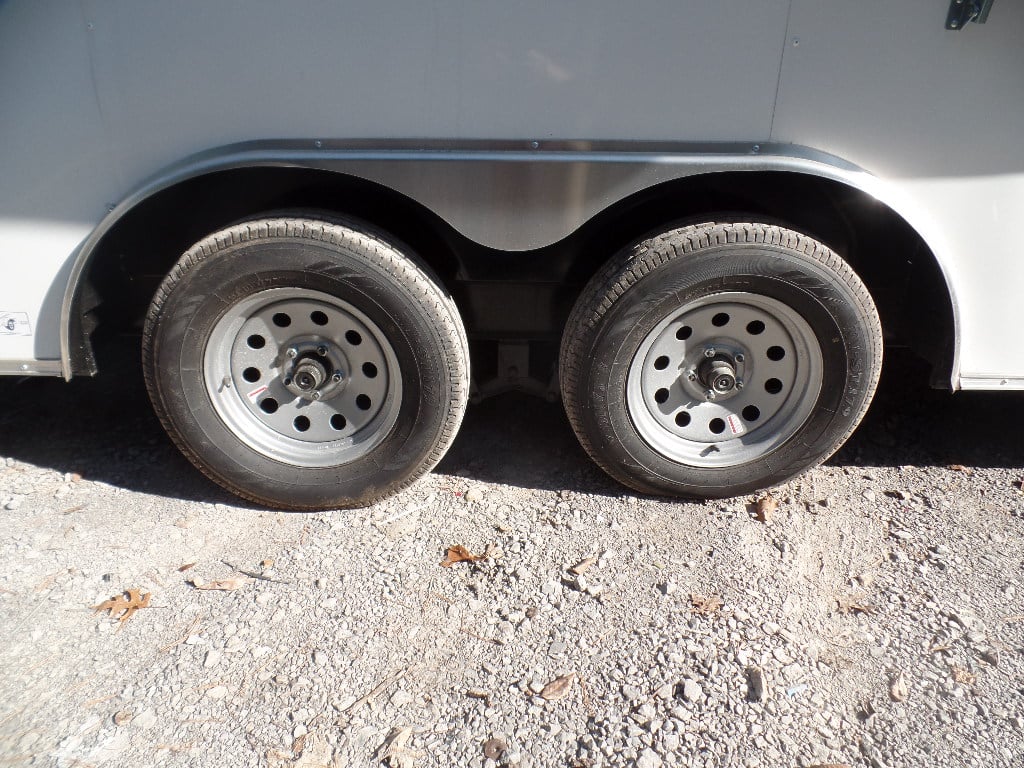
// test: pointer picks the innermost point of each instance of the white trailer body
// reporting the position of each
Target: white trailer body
(516, 127)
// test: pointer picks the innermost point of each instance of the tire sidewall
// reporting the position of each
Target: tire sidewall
(212, 287)
(800, 283)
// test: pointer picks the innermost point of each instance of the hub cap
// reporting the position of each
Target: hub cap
(302, 377)
(725, 380)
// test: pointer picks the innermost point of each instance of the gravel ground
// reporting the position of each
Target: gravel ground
(876, 618)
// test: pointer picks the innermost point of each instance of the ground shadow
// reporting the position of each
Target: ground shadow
(103, 429)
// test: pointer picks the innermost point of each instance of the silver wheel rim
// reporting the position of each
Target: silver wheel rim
(302, 377)
(725, 380)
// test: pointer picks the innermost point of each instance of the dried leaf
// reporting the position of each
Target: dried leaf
(185, 567)
(222, 585)
(960, 468)
(478, 693)
(459, 554)
(394, 751)
(705, 605)
(766, 507)
(123, 606)
(583, 566)
(494, 748)
(854, 604)
(830, 765)
(898, 689)
(558, 688)
(963, 676)
(268, 563)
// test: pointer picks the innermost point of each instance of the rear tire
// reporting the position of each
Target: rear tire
(306, 364)
(717, 359)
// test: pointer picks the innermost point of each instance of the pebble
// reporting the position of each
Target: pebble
(649, 759)
(692, 691)
(319, 658)
(217, 692)
(756, 685)
(212, 659)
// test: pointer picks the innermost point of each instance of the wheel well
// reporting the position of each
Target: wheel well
(897, 266)
(895, 263)
(132, 259)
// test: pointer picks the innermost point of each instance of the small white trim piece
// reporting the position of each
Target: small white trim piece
(990, 382)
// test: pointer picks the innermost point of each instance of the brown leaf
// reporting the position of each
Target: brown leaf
(459, 554)
(766, 507)
(558, 688)
(960, 468)
(898, 689)
(222, 585)
(268, 563)
(121, 607)
(705, 605)
(478, 693)
(829, 765)
(494, 748)
(964, 677)
(185, 567)
(122, 717)
(583, 566)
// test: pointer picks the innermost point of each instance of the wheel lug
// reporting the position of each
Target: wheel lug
(739, 383)
(709, 352)
(739, 357)
(337, 377)
(322, 351)
(691, 376)
(316, 395)
(286, 380)
(292, 352)
(710, 394)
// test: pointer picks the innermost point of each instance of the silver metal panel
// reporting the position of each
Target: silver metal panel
(31, 368)
(938, 115)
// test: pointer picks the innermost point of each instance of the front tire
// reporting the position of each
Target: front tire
(717, 359)
(306, 364)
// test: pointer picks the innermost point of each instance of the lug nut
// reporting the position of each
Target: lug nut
(709, 352)
(337, 377)
(710, 394)
(691, 376)
(739, 383)
(316, 394)
(322, 351)
(292, 352)
(739, 357)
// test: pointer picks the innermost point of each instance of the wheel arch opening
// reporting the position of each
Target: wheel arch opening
(124, 269)
(893, 260)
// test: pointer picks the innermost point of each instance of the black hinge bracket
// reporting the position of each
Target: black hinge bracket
(962, 12)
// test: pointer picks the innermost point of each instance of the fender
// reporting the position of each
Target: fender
(516, 195)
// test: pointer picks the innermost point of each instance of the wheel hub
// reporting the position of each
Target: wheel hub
(719, 375)
(303, 377)
(316, 370)
(724, 380)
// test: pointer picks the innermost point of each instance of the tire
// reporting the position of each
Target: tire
(306, 364)
(717, 359)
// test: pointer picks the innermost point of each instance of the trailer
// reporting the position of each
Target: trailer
(335, 224)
